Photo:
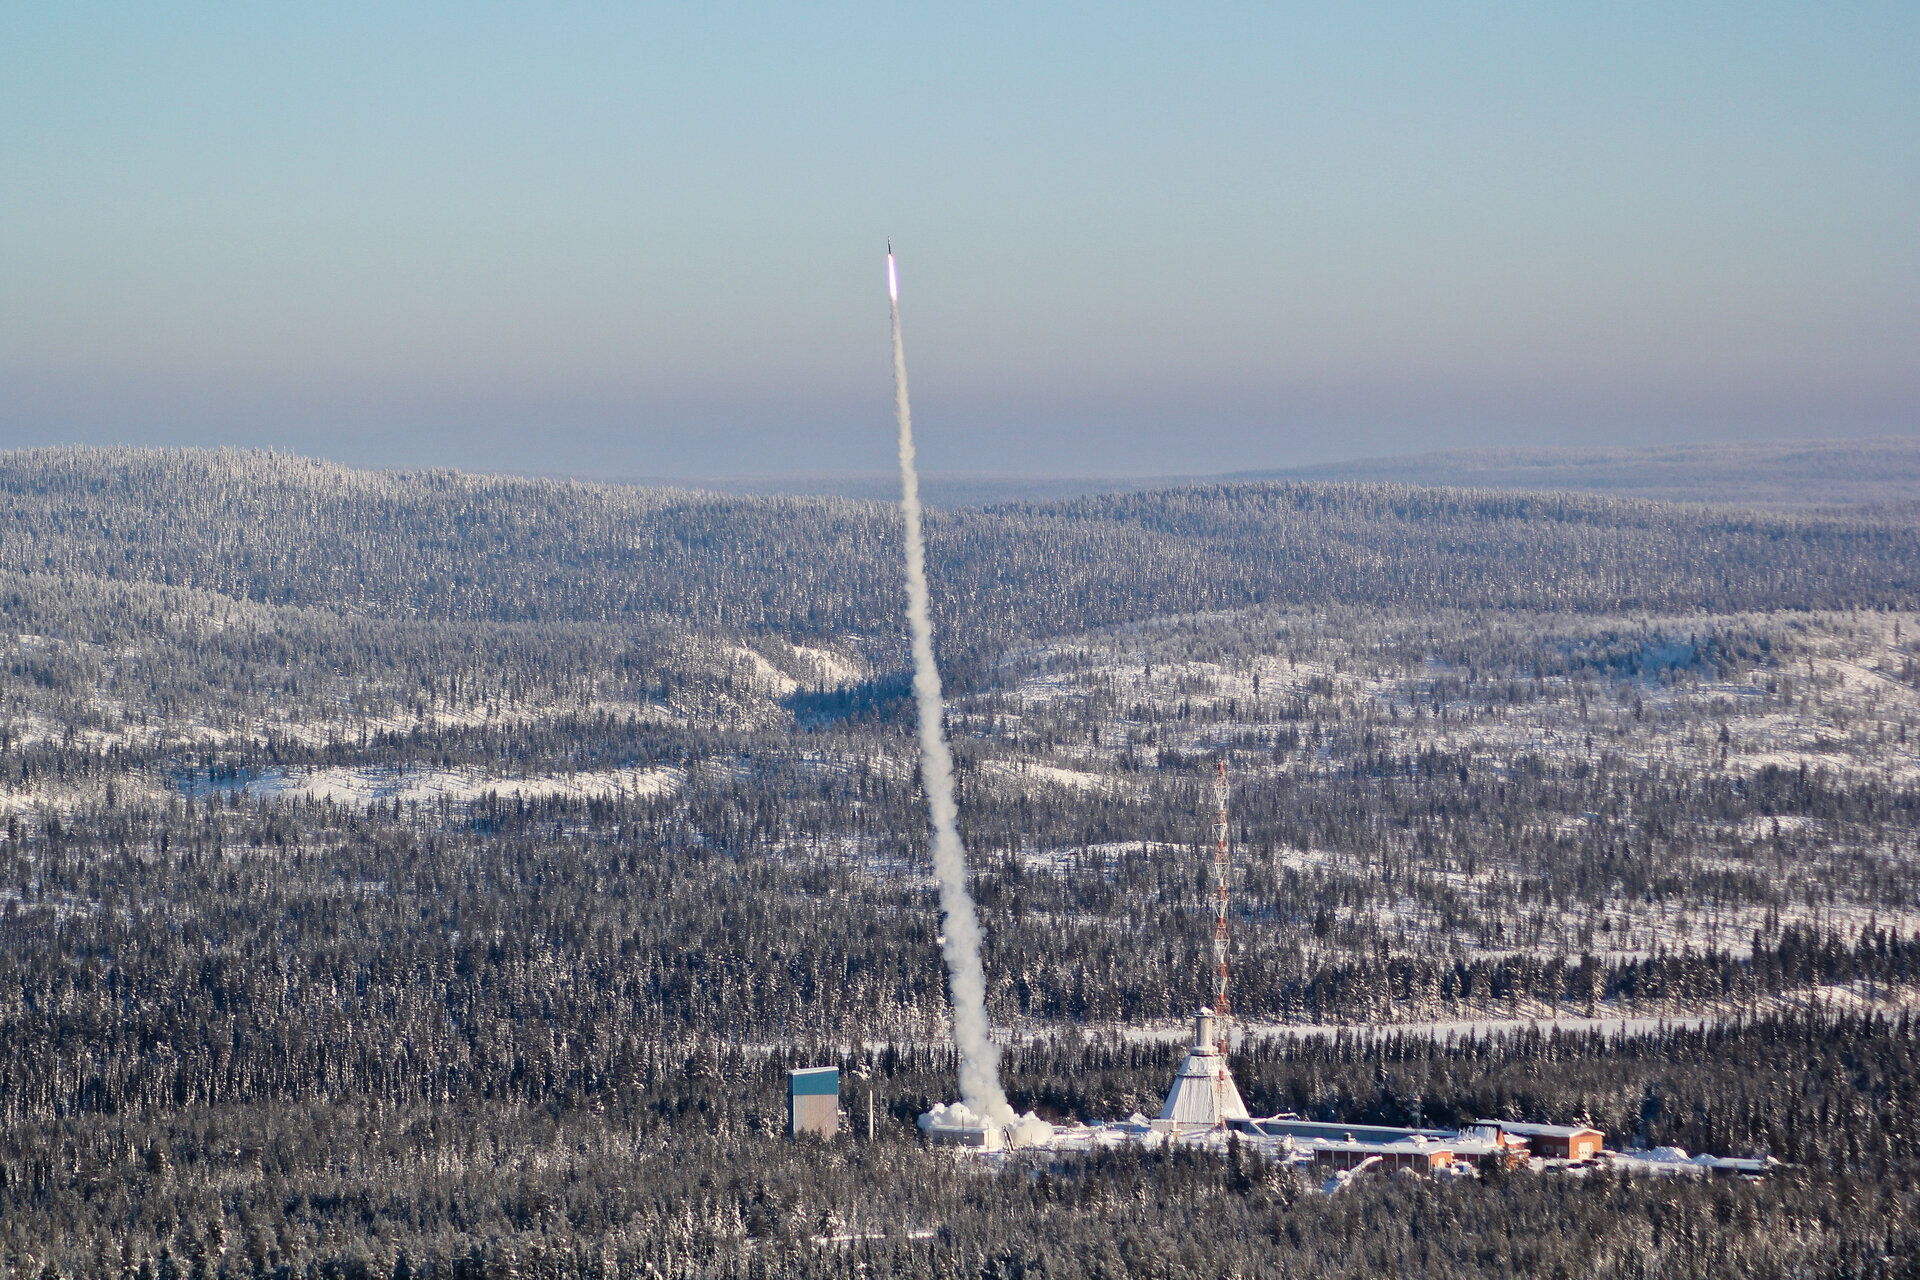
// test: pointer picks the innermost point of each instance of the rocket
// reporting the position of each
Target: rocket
(893, 279)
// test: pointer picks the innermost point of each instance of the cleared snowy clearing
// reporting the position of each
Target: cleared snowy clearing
(1021, 771)
(363, 787)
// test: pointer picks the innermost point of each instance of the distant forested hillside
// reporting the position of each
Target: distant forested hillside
(281, 530)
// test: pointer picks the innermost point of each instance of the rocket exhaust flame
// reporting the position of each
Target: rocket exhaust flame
(979, 1058)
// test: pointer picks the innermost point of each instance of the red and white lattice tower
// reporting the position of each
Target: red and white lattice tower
(1223, 879)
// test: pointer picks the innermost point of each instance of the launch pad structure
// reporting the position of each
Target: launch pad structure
(1203, 1094)
(1202, 1097)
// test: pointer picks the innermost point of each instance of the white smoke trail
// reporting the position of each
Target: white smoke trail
(979, 1057)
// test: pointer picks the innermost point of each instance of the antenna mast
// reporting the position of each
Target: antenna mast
(1223, 878)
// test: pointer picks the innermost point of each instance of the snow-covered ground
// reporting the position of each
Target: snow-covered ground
(1834, 695)
(462, 786)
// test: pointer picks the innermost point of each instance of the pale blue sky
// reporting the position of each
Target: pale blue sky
(623, 240)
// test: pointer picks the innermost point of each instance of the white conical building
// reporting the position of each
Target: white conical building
(1203, 1095)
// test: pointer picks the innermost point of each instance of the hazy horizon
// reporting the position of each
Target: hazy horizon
(1782, 475)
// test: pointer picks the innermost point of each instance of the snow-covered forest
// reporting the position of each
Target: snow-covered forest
(431, 874)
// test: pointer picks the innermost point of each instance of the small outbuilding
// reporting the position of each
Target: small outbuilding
(813, 1101)
(1552, 1141)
